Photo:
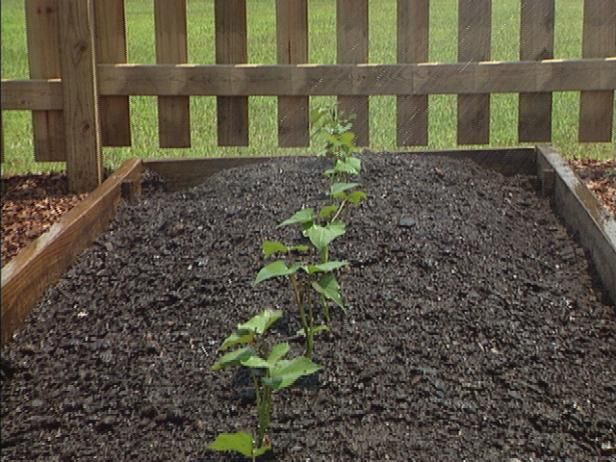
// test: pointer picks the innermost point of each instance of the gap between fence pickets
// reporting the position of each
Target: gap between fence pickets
(582, 213)
(37, 267)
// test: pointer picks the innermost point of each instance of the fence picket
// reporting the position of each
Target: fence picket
(536, 43)
(474, 39)
(413, 40)
(44, 63)
(172, 48)
(231, 48)
(599, 40)
(292, 46)
(352, 48)
(83, 153)
(110, 42)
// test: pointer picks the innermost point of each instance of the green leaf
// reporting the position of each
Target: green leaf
(327, 211)
(240, 442)
(302, 216)
(256, 362)
(274, 270)
(260, 322)
(287, 372)
(301, 248)
(325, 267)
(278, 352)
(273, 247)
(356, 197)
(350, 165)
(234, 358)
(321, 236)
(328, 286)
(237, 338)
(337, 189)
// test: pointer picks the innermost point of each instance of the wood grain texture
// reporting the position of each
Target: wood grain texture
(231, 48)
(26, 277)
(292, 48)
(474, 40)
(44, 62)
(83, 150)
(598, 40)
(352, 47)
(536, 43)
(172, 48)
(412, 47)
(110, 43)
(382, 79)
(36, 95)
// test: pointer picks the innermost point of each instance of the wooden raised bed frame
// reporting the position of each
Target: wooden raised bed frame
(44, 261)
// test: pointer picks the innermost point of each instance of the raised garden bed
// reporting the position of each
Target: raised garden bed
(477, 326)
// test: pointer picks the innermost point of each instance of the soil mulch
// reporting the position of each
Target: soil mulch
(475, 328)
(600, 177)
(30, 205)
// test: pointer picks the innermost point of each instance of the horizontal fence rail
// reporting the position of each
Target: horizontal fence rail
(77, 56)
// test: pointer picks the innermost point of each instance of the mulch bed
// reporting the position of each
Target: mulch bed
(30, 205)
(600, 177)
(475, 328)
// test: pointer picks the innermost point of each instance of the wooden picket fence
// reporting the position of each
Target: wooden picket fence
(80, 82)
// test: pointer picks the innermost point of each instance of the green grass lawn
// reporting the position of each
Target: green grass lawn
(261, 31)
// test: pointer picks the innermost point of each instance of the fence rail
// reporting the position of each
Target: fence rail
(81, 82)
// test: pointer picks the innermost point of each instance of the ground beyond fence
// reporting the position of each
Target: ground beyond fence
(81, 83)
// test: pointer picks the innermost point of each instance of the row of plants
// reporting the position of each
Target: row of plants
(311, 276)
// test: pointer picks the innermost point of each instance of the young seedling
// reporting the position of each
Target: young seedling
(269, 372)
(306, 279)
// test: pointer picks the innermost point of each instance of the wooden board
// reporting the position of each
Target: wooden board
(110, 42)
(370, 79)
(583, 214)
(412, 46)
(38, 95)
(83, 150)
(599, 40)
(44, 261)
(352, 47)
(186, 173)
(172, 48)
(44, 63)
(536, 43)
(474, 40)
(231, 48)
(292, 48)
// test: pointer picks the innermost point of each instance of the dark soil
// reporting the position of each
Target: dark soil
(475, 330)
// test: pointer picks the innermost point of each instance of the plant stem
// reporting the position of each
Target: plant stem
(339, 211)
(302, 314)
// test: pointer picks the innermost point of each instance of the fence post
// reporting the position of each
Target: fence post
(83, 148)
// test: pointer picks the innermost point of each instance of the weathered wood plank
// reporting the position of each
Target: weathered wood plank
(583, 213)
(186, 173)
(172, 48)
(536, 43)
(599, 40)
(412, 46)
(42, 263)
(110, 43)
(37, 95)
(352, 47)
(83, 150)
(231, 48)
(382, 79)
(474, 39)
(292, 46)
(44, 62)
